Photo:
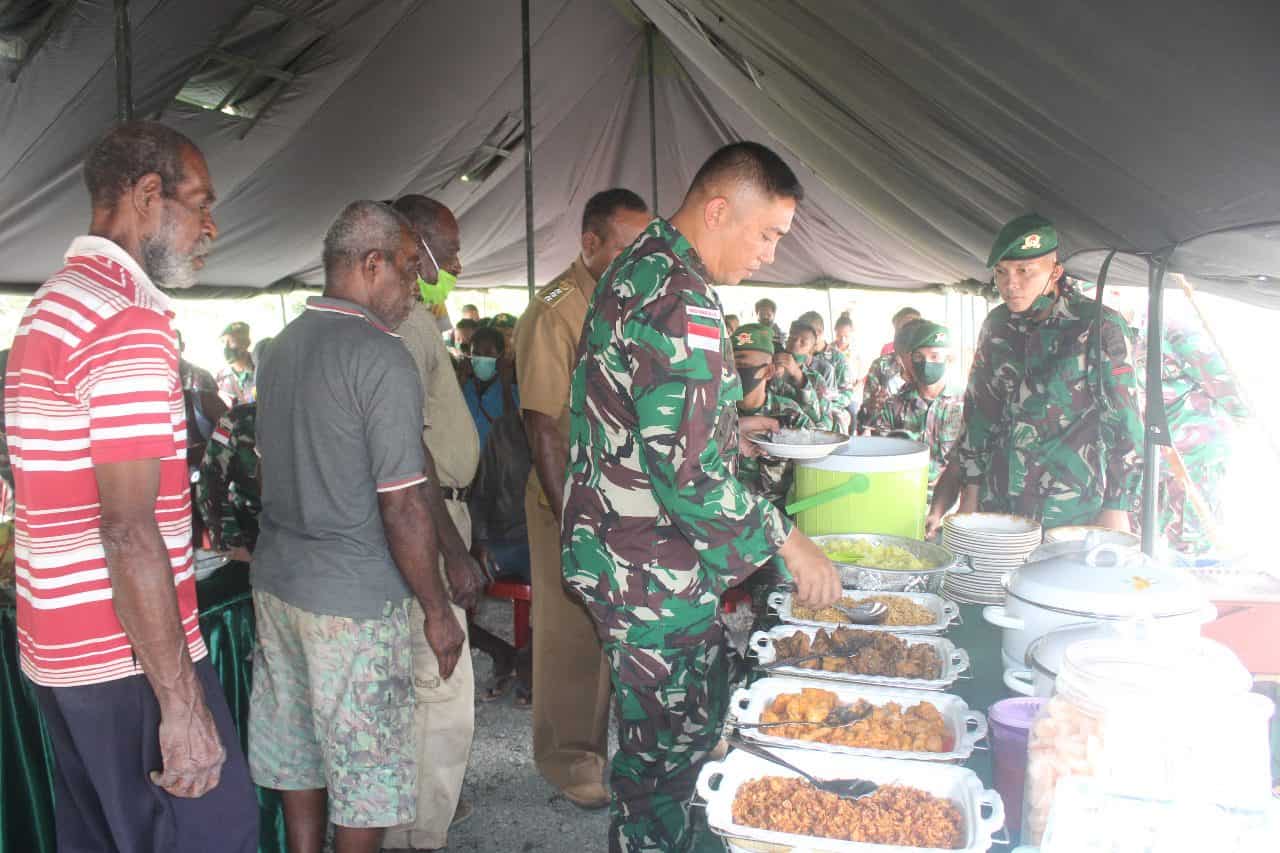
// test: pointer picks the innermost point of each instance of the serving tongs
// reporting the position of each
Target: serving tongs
(845, 789)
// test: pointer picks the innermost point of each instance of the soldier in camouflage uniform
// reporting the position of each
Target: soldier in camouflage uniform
(840, 391)
(753, 350)
(884, 377)
(655, 525)
(797, 376)
(228, 492)
(922, 409)
(1050, 433)
(1201, 402)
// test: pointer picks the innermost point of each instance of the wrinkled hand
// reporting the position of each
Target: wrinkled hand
(753, 425)
(190, 749)
(445, 637)
(816, 579)
(466, 579)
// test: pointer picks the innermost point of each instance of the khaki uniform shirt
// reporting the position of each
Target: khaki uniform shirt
(547, 349)
(447, 427)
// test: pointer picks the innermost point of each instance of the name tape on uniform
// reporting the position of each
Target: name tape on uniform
(703, 330)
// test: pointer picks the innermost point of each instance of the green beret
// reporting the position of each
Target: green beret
(753, 337)
(1028, 236)
(504, 321)
(918, 334)
(238, 329)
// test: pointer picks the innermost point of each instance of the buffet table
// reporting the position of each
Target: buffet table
(26, 785)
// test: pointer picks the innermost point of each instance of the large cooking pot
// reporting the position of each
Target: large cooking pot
(1101, 584)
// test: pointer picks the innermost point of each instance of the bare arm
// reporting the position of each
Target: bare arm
(550, 456)
(411, 535)
(145, 601)
(945, 493)
(466, 579)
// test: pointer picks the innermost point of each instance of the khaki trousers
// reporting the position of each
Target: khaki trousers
(444, 722)
(571, 687)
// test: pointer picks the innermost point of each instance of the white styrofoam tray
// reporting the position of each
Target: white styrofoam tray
(944, 612)
(718, 783)
(965, 727)
(954, 660)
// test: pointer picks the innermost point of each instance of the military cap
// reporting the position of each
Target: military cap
(504, 321)
(918, 334)
(1028, 236)
(753, 337)
(238, 329)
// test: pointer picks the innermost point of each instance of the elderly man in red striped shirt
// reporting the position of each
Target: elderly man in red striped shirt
(146, 755)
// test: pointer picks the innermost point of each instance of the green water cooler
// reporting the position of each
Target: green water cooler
(873, 485)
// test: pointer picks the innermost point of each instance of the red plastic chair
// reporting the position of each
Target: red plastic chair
(520, 595)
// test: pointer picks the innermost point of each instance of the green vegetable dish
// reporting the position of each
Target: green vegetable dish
(870, 556)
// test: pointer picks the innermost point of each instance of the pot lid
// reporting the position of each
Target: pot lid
(1153, 669)
(1107, 581)
(1046, 653)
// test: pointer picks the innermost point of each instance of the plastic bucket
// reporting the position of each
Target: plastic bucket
(1011, 721)
(885, 489)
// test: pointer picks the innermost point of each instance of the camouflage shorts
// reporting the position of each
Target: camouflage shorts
(332, 707)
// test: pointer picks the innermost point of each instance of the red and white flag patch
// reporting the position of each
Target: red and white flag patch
(703, 328)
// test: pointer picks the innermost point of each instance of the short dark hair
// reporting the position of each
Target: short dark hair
(903, 313)
(844, 320)
(799, 327)
(466, 323)
(470, 307)
(603, 205)
(424, 214)
(814, 319)
(766, 303)
(749, 163)
(127, 152)
(490, 334)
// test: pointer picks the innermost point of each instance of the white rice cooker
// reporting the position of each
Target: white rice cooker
(1102, 583)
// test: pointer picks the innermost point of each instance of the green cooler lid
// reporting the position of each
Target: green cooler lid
(874, 455)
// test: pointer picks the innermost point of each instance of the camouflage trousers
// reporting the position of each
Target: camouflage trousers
(671, 707)
(1183, 528)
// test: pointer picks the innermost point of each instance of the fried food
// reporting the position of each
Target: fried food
(862, 553)
(849, 650)
(920, 728)
(902, 611)
(895, 814)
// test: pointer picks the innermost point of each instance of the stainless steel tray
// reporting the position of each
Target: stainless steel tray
(939, 562)
(944, 612)
(965, 727)
(954, 661)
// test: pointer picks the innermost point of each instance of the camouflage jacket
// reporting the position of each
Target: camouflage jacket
(656, 527)
(1200, 396)
(936, 423)
(812, 398)
(228, 493)
(840, 392)
(766, 476)
(884, 379)
(1039, 441)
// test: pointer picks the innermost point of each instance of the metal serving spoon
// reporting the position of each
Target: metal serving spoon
(841, 718)
(846, 789)
(867, 613)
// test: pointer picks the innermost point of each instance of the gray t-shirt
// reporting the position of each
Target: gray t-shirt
(339, 420)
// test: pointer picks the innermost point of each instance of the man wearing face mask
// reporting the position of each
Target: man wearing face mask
(655, 525)
(922, 409)
(444, 716)
(1052, 431)
(236, 378)
(798, 376)
(571, 690)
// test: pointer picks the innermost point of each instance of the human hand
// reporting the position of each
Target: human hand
(932, 524)
(816, 579)
(445, 637)
(466, 579)
(787, 362)
(507, 368)
(240, 554)
(754, 425)
(1116, 519)
(191, 751)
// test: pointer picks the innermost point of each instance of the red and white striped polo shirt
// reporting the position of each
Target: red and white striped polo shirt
(92, 378)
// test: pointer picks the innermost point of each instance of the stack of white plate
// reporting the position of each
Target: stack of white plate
(994, 545)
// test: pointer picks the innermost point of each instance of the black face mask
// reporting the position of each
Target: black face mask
(751, 379)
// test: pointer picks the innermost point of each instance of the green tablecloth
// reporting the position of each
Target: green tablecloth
(26, 785)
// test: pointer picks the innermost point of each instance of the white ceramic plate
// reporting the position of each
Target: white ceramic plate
(994, 524)
(823, 444)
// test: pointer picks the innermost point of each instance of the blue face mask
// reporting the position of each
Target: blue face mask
(485, 367)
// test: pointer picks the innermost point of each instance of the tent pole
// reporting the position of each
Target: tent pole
(284, 315)
(1157, 428)
(650, 35)
(124, 63)
(528, 144)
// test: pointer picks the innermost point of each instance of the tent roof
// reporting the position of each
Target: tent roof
(917, 127)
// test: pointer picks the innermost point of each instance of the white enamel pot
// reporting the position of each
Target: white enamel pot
(1104, 583)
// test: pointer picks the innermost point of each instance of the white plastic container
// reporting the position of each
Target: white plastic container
(954, 660)
(944, 612)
